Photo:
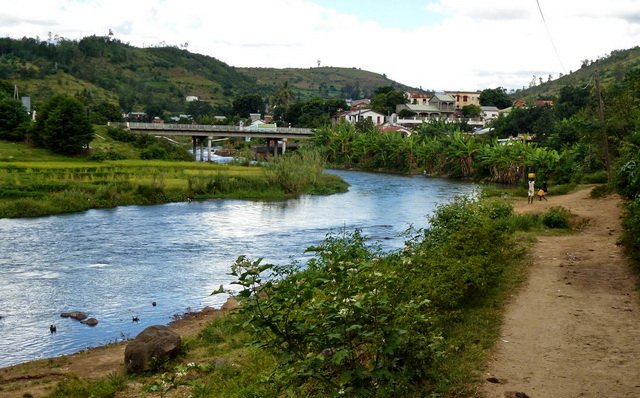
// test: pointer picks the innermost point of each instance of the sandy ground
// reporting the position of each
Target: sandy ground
(573, 330)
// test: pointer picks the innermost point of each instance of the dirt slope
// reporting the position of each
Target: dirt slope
(574, 328)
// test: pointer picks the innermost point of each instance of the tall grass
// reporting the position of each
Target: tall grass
(295, 172)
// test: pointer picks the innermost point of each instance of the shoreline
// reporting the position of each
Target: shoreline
(37, 377)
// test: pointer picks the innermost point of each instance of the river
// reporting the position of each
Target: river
(113, 264)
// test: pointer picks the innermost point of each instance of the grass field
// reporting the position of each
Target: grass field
(35, 182)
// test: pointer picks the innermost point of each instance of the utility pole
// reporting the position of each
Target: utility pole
(605, 139)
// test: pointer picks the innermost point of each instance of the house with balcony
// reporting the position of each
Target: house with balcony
(439, 106)
(463, 98)
(445, 104)
(417, 98)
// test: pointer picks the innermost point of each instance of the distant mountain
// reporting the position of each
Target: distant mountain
(101, 69)
(612, 68)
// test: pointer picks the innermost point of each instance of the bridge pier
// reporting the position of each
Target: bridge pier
(194, 141)
(209, 148)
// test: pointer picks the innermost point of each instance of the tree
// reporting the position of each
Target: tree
(13, 119)
(495, 97)
(104, 112)
(63, 126)
(198, 109)
(471, 111)
(282, 97)
(571, 100)
(246, 104)
(386, 98)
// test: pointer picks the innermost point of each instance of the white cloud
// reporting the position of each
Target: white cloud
(473, 45)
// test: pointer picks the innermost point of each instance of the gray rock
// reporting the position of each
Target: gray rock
(90, 322)
(75, 315)
(153, 346)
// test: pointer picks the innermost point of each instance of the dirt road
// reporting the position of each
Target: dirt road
(573, 330)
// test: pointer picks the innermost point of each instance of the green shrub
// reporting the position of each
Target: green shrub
(598, 177)
(120, 134)
(601, 191)
(356, 322)
(631, 223)
(557, 217)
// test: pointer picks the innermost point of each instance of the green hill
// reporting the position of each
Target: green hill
(325, 82)
(612, 69)
(100, 69)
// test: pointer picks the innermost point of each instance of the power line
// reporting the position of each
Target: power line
(544, 21)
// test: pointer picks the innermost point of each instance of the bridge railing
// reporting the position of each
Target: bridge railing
(211, 128)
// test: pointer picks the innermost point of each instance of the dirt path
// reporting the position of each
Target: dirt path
(573, 330)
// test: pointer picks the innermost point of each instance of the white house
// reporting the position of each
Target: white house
(489, 113)
(360, 114)
(191, 98)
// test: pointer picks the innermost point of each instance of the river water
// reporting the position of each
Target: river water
(113, 264)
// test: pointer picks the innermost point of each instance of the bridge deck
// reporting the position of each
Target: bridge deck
(204, 130)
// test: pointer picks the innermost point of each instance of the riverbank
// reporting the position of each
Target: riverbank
(39, 378)
(41, 188)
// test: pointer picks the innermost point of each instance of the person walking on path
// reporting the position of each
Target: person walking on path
(543, 191)
(532, 189)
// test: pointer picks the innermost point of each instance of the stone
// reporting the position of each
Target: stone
(154, 345)
(90, 322)
(77, 315)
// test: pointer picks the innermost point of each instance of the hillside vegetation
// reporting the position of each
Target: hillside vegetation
(612, 67)
(325, 82)
(101, 71)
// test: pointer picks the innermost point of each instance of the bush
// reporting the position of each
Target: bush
(631, 223)
(599, 177)
(557, 217)
(601, 191)
(120, 134)
(355, 322)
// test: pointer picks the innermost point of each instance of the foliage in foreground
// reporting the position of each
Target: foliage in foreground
(357, 322)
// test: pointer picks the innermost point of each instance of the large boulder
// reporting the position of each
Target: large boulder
(154, 345)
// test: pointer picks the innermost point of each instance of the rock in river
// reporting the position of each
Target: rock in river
(75, 315)
(90, 322)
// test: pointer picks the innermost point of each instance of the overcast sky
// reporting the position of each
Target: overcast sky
(433, 44)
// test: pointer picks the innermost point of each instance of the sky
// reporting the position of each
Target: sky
(429, 44)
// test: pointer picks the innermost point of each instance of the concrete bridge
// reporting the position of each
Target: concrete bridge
(201, 132)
